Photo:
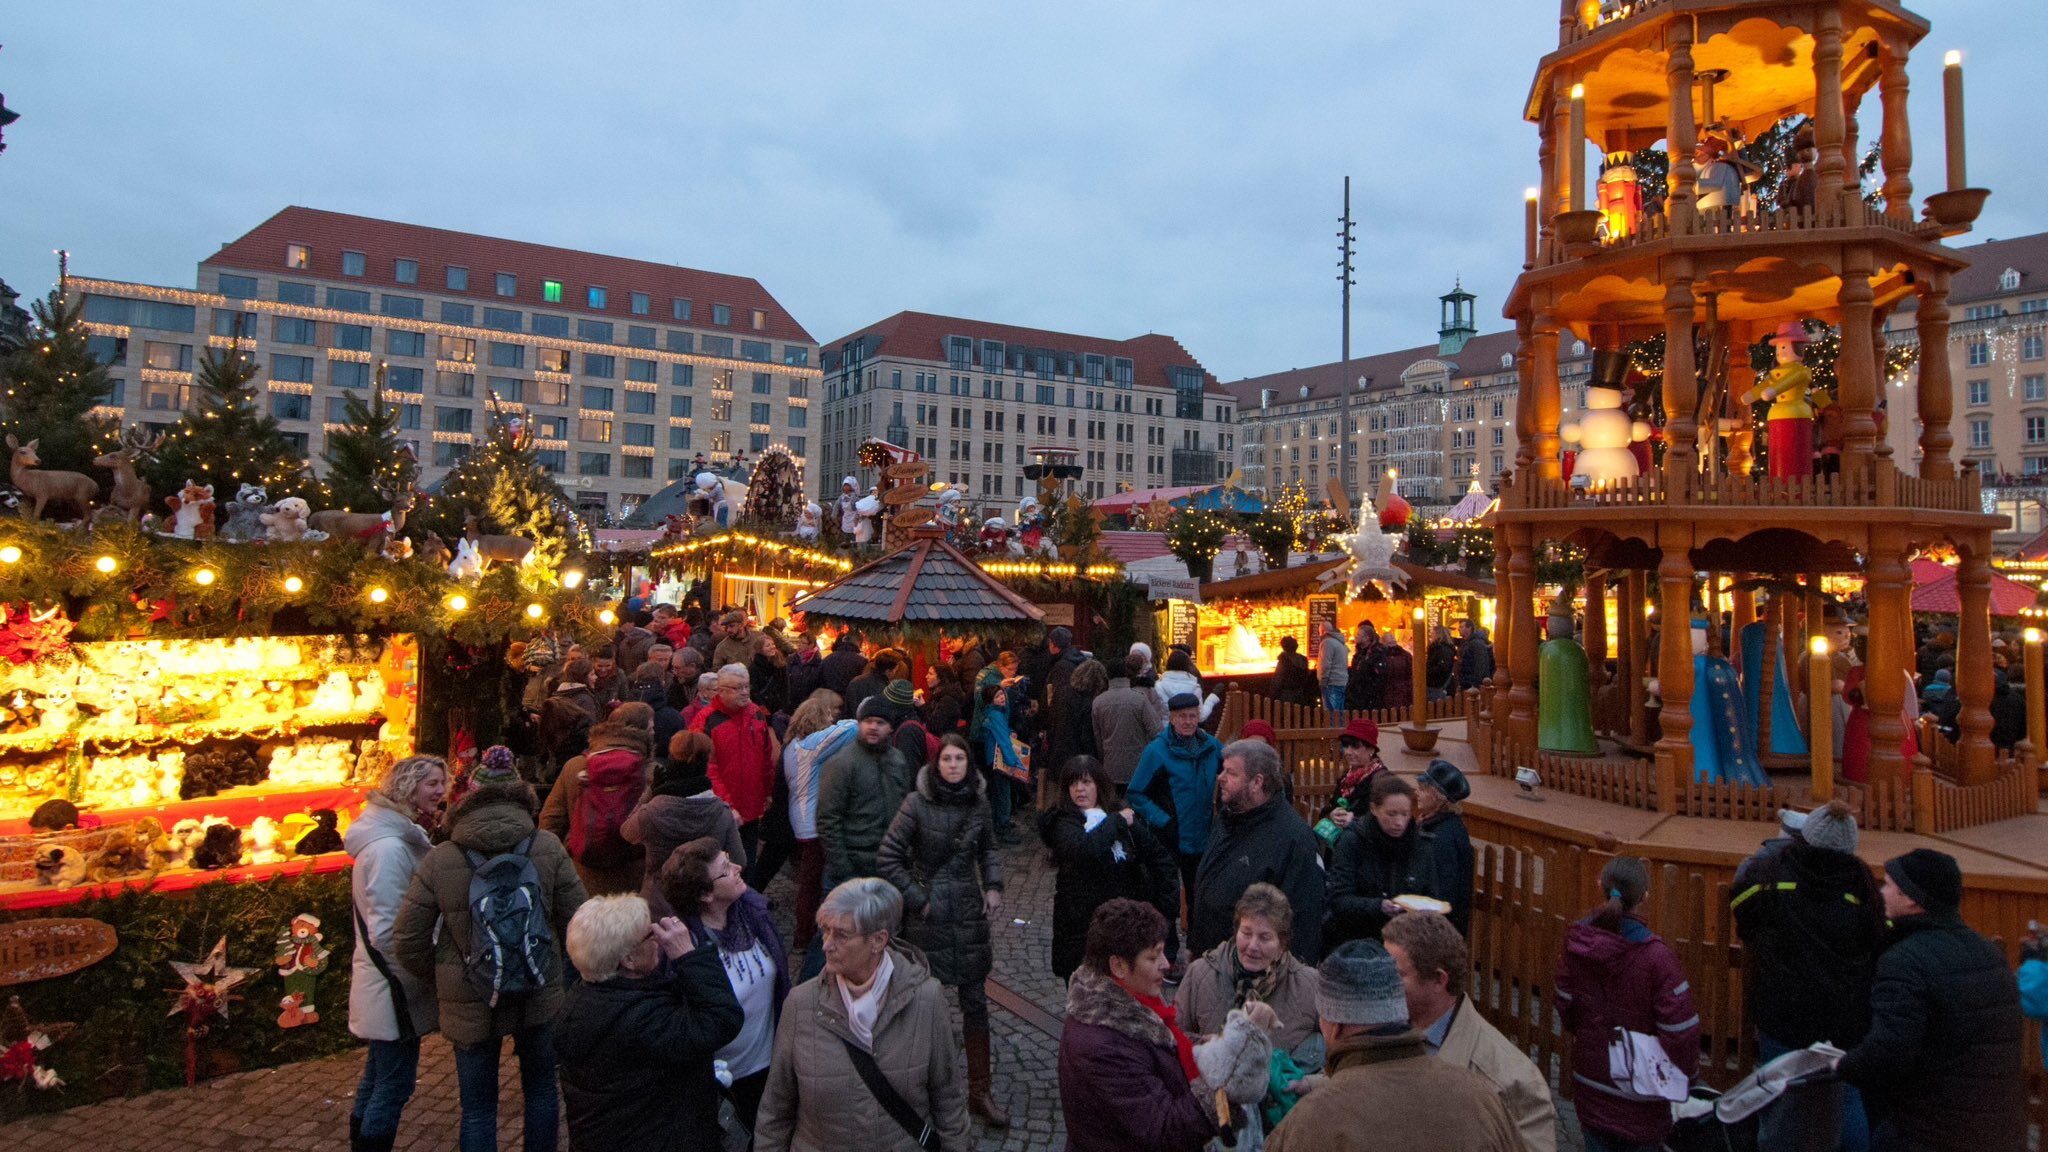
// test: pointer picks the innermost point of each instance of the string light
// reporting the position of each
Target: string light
(457, 602)
(106, 564)
(572, 578)
(378, 595)
(607, 617)
(294, 585)
(204, 577)
(10, 555)
(535, 611)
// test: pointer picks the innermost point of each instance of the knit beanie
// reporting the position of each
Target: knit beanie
(496, 767)
(900, 696)
(877, 707)
(1828, 826)
(1931, 878)
(1361, 985)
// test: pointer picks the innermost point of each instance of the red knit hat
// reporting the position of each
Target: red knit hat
(1362, 730)
(1257, 729)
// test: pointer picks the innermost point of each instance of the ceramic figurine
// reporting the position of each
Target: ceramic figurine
(1791, 417)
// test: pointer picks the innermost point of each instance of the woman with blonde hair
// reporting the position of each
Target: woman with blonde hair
(815, 733)
(387, 1006)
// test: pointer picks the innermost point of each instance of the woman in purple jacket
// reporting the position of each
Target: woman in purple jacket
(1126, 1069)
(1616, 973)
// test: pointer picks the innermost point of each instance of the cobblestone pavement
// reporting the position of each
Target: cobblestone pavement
(304, 1107)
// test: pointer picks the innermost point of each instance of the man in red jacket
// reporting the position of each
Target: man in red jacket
(744, 752)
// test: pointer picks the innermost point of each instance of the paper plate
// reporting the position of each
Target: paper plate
(1415, 903)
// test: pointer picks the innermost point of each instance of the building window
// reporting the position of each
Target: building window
(756, 350)
(298, 256)
(293, 292)
(595, 397)
(757, 441)
(403, 379)
(344, 374)
(757, 414)
(681, 342)
(799, 417)
(297, 369)
(760, 319)
(764, 384)
(504, 355)
(594, 463)
(678, 438)
(1980, 434)
(348, 300)
(501, 319)
(453, 312)
(796, 354)
(400, 343)
(226, 323)
(291, 330)
(595, 331)
(639, 336)
(508, 284)
(463, 350)
(551, 291)
(639, 435)
(2037, 429)
(2035, 388)
(1980, 392)
(509, 388)
(448, 455)
(1980, 353)
(679, 308)
(721, 410)
(404, 307)
(641, 370)
(353, 263)
(548, 324)
(554, 360)
(2031, 347)
(602, 367)
(716, 346)
(640, 403)
(457, 384)
(682, 375)
(238, 287)
(597, 298)
(798, 446)
(637, 468)
(458, 279)
(290, 406)
(594, 430)
(550, 392)
(109, 350)
(405, 271)
(640, 303)
(721, 315)
(679, 406)
(451, 419)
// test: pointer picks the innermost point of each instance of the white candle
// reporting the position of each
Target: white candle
(1952, 107)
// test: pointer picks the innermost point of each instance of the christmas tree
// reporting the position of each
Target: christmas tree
(50, 386)
(503, 486)
(365, 458)
(225, 439)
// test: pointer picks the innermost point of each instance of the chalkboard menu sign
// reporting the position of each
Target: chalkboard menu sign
(1321, 610)
(1181, 622)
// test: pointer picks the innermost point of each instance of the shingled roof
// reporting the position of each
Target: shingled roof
(927, 581)
(922, 336)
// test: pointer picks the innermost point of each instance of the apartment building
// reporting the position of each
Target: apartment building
(1998, 360)
(627, 369)
(980, 400)
(1438, 415)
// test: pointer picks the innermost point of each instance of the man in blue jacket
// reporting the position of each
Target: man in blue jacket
(1174, 788)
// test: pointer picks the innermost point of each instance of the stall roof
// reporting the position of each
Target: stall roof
(1935, 590)
(1204, 496)
(1129, 547)
(1308, 577)
(927, 581)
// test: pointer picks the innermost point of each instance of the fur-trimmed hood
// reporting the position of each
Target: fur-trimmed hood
(1093, 998)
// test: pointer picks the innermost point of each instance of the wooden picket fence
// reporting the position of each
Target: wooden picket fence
(1306, 737)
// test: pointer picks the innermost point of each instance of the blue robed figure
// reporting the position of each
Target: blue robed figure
(1723, 739)
(1786, 738)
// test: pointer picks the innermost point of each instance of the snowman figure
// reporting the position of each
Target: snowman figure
(1603, 435)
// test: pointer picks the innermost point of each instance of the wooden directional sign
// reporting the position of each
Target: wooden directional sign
(32, 950)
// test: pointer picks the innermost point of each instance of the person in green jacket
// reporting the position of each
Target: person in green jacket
(859, 792)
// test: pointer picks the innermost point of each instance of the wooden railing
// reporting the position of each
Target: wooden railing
(1951, 806)
(1653, 227)
(1575, 30)
(1882, 487)
(1306, 737)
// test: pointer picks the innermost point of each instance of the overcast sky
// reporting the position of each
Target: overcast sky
(1104, 168)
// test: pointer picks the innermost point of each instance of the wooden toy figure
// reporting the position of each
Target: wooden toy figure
(300, 960)
(1791, 416)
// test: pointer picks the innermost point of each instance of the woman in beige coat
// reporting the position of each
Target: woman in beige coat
(1254, 964)
(875, 994)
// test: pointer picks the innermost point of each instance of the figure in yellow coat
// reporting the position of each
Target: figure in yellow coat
(1790, 421)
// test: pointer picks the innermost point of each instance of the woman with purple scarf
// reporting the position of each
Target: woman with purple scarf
(705, 887)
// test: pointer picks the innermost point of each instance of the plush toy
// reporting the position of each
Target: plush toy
(245, 514)
(53, 816)
(287, 521)
(395, 548)
(58, 711)
(59, 866)
(807, 522)
(221, 848)
(192, 511)
(468, 563)
(866, 509)
(125, 852)
(370, 693)
(120, 710)
(259, 841)
(335, 694)
(166, 851)
(325, 836)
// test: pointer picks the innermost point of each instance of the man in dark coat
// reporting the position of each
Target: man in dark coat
(1811, 922)
(1259, 838)
(1940, 1066)
(859, 791)
(637, 1034)
(1475, 657)
(806, 670)
(839, 670)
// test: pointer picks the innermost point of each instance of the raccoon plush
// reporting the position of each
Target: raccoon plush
(245, 514)
(222, 848)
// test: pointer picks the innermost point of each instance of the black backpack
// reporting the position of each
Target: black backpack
(512, 950)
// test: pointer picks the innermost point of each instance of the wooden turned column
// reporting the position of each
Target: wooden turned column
(1880, 351)
(1742, 440)
(1827, 111)
(1546, 405)
(1546, 184)
(1596, 628)
(1855, 369)
(1852, 181)
(1936, 393)
(1743, 609)
(1639, 658)
(1896, 139)
(1525, 401)
(1503, 622)
(1680, 380)
(1975, 681)
(1684, 178)
(1884, 683)
(1522, 651)
(1674, 658)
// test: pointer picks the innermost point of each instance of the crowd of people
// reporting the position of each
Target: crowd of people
(1238, 975)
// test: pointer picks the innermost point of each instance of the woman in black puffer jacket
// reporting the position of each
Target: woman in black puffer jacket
(1381, 856)
(941, 837)
(1102, 851)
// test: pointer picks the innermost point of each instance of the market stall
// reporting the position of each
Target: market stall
(761, 575)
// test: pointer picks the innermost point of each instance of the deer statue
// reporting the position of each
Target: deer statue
(40, 487)
(491, 550)
(130, 495)
(365, 525)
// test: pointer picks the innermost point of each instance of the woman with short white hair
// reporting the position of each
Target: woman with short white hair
(874, 1016)
(388, 1006)
(642, 1017)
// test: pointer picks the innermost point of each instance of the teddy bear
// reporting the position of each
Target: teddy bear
(259, 841)
(173, 849)
(125, 852)
(286, 521)
(335, 694)
(245, 514)
(59, 866)
(192, 511)
(221, 848)
(119, 712)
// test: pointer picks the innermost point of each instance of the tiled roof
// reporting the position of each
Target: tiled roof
(922, 336)
(1988, 261)
(1125, 547)
(1480, 357)
(923, 582)
(382, 242)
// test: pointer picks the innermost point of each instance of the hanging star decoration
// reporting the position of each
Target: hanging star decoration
(209, 988)
(22, 1044)
(1371, 554)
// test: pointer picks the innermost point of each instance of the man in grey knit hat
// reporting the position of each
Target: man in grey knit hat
(1378, 1069)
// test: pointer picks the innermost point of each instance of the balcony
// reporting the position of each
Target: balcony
(1882, 487)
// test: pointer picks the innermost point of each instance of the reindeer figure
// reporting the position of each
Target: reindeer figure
(130, 495)
(496, 549)
(40, 487)
(364, 525)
